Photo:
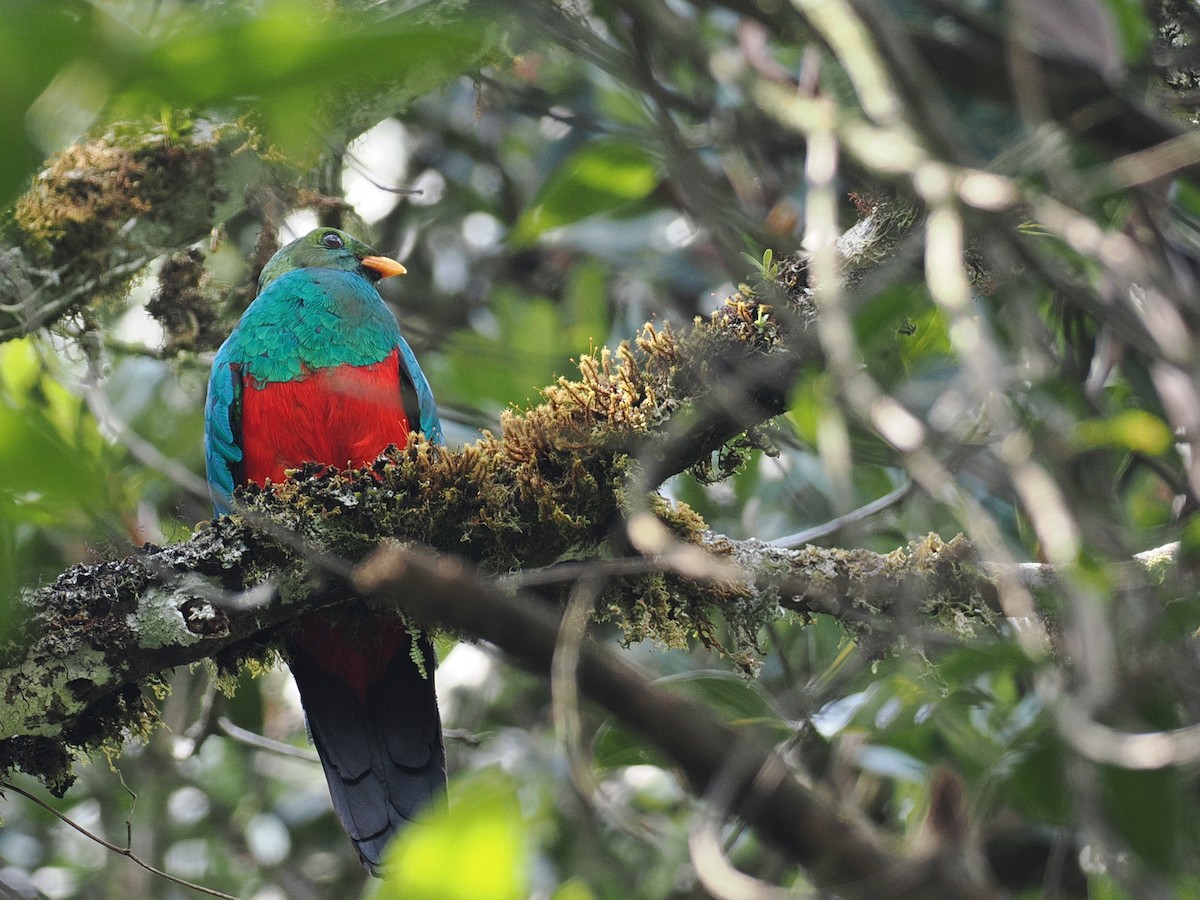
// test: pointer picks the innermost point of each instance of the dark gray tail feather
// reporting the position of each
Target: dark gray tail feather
(384, 761)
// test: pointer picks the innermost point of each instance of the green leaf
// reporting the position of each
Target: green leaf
(1133, 27)
(586, 308)
(971, 662)
(283, 60)
(443, 644)
(811, 397)
(534, 342)
(478, 849)
(289, 55)
(59, 481)
(605, 176)
(1147, 810)
(510, 366)
(573, 890)
(9, 569)
(731, 696)
(1189, 540)
(616, 746)
(733, 699)
(1038, 786)
(740, 702)
(51, 453)
(36, 41)
(1102, 886)
(246, 706)
(1132, 429)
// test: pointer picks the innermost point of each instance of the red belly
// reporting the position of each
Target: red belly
(341, 416)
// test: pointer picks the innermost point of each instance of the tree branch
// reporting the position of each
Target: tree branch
(843, 853)
(551, 486)
(95, 217)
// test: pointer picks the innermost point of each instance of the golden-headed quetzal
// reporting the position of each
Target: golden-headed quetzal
(317, 371)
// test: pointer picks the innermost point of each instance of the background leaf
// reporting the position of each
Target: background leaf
(476, 850)
(604, 176)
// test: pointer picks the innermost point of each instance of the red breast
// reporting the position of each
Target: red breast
(341, 416)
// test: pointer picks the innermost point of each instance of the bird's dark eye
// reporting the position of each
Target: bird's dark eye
(333, 241)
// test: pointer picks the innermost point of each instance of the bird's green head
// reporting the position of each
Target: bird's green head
(329, 248)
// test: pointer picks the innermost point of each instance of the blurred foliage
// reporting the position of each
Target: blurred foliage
(75, 61)
(605, 176)
(576, 171)
(483, 837)
(59, 489)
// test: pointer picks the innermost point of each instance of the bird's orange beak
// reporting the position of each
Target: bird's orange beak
(384, 266)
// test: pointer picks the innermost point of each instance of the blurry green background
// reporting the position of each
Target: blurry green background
(562, 203)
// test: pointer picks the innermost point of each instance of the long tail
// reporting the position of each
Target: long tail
(381, 748)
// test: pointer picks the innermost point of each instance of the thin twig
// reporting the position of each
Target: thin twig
(580, 568)
(143, 450)
(568, 722)
(127, 852)
(708, 853)
(825, 529)
(258, 742)
(464, 736)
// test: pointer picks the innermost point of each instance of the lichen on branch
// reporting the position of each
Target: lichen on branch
(550, 487)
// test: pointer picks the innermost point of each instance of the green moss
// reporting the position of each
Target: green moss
(955, 600)
(101, 210)
(550, 487)
(186, 305)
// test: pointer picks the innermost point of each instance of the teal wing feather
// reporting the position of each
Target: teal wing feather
(427, 416)
(223, 426)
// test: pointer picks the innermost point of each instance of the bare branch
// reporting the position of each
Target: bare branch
(843, 853)
(127, 852)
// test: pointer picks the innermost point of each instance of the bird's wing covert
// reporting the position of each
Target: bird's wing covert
(223, 430)
(429, 423)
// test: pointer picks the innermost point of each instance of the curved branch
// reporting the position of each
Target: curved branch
(551, 485)
(842, 853)
(126, 851)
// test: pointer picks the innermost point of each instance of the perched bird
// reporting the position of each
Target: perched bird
(317, 371)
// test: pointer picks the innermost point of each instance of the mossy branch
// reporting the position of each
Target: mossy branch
(841, 850)
(550, 487)
(98, 214)
(101, 633)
